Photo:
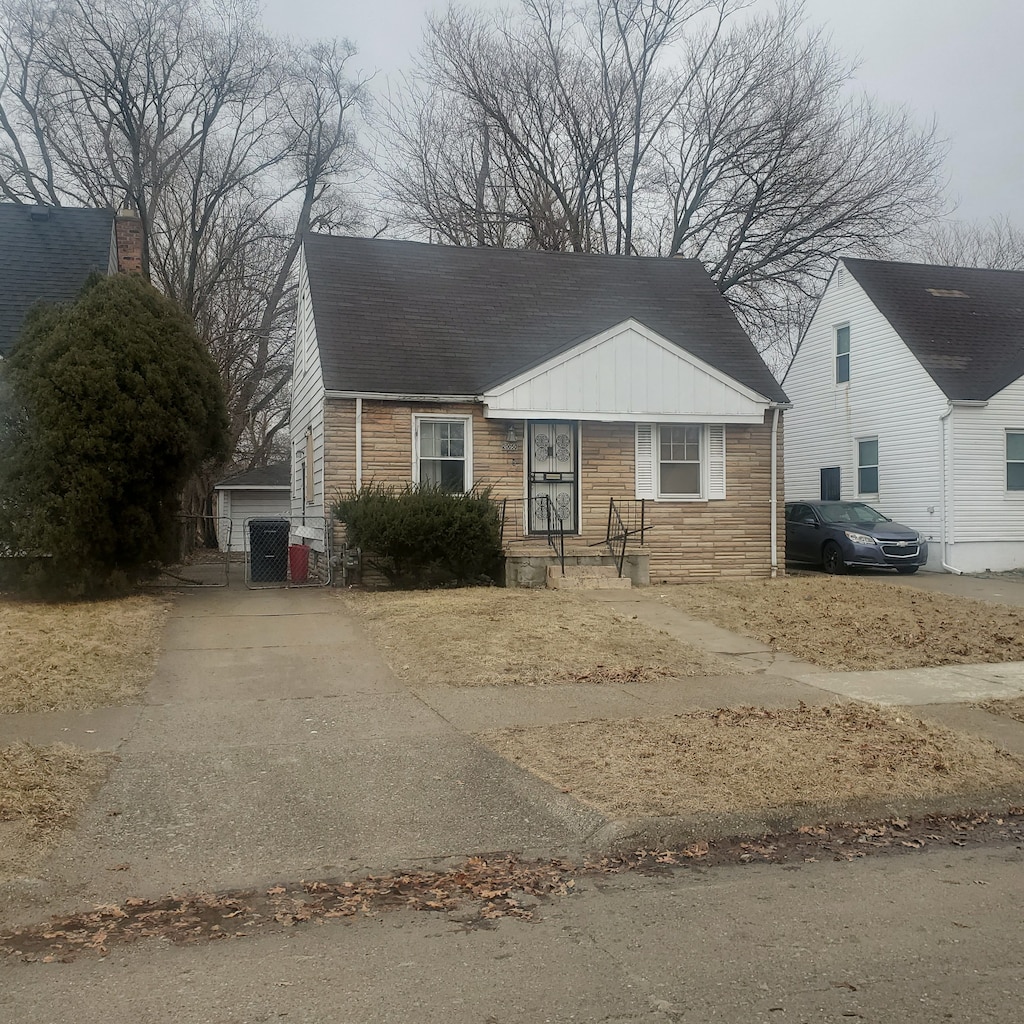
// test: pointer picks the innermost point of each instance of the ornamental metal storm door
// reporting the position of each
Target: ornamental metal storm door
(552, 475)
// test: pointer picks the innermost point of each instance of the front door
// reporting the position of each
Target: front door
(552, 475)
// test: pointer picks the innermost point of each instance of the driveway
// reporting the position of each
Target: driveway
(275, 743)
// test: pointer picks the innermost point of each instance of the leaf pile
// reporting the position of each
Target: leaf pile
(479, 891)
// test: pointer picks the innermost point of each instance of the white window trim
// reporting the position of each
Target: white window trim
(712, 463)
(419, 418)
(877, 466)
(835, 355)
(1012, 493)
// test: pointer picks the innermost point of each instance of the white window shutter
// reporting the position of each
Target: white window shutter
(645, 486)
(716, 461)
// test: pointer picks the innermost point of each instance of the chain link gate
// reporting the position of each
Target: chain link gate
(283, 551)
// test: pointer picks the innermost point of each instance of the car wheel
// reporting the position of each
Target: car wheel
(907, 570)
(832, 558)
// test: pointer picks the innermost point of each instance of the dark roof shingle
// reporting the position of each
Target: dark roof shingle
(964, 325)
(46, 254)
(400, 317)
(277, 475)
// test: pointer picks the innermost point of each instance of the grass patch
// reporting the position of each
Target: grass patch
(752, 758)
(489, 636)
(68, 657)
(1013, 707)
(849, 624)
(42, 789)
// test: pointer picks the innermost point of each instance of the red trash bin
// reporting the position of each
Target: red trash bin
(298, 563)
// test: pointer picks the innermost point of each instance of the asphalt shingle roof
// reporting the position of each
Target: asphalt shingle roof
(46, 253)
(964, 325)
(411, 318)
(278, 475)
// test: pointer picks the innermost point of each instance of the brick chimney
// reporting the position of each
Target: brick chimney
(128, 239)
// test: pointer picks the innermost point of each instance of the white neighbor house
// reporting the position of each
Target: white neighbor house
(908, 393)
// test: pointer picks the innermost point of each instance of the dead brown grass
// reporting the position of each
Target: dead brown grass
(1011, 708)
(493, 637)
(750, 758)
(57, 657)
(847, 624)
(42, 789)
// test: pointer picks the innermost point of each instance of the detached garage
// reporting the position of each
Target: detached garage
(257, 493)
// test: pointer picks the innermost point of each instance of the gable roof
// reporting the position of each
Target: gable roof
(271, 477)
(396, 317)
(964, 325)
(46, 253)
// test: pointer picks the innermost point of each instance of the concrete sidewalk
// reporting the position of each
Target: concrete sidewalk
(273, 742)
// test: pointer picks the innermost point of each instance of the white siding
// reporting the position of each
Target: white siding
(889, 396)
(988, 520)
(240, 505)
(307, 403)
(627, 373)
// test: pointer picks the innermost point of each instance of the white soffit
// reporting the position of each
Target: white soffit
(627, 373)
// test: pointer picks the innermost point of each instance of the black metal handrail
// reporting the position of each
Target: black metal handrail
(625, 519)
(520, 512)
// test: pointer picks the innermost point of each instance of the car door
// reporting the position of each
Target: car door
(803, 534)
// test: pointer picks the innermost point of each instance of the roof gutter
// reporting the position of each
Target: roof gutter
(774, 499)
(388, 396)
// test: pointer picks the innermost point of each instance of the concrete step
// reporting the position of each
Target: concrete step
(586, 577)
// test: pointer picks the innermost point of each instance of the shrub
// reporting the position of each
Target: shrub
(107, 406)
(423, 536)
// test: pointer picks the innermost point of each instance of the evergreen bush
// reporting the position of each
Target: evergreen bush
(107, 406)
(424, 536)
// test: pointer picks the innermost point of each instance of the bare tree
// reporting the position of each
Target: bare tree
(659, 127)
(229, 143)
(996, 244)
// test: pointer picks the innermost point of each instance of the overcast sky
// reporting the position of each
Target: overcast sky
(958, 60)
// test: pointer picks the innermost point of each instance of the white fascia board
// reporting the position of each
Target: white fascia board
(252, 487)
(492, 413)
(599, 339)
(390, 396)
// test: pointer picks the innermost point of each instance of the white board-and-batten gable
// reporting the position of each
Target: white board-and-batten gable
(626, 373)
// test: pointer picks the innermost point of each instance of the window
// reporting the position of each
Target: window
(1015, 460)
(831, 478)
(308, 487)
(843, 354)
(442, 447)
(679, 461)
(867, 466)
(684, 461)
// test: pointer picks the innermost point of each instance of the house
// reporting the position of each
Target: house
(48, 252)
(558, 380)
(908, 393)
(255, 494)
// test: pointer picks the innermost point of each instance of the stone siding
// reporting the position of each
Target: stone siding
(688, 541)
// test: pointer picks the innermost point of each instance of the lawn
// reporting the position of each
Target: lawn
(749, 759)
(488, 636)
(68, 657)
(850, 624)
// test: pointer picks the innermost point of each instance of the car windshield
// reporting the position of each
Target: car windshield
(850, 512)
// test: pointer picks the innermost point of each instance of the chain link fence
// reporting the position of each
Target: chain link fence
(287, 552)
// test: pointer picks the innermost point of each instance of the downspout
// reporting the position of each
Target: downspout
(944, 477)
(359, 444)
(774, 500)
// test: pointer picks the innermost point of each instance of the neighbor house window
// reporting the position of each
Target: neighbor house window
(1015, 460)
(679, 460)
(442, 449)
(842, 354)
(867, 466)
